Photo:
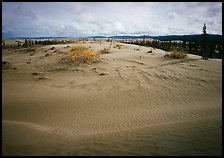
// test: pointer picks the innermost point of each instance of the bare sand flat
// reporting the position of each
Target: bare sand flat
(130, 103)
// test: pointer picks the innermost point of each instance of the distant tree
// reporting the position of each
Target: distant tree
(195, 44)
(170, 45)
(204, 29)
(19, 43)
(204, 43)
(3, 43)
(25, 43)
(29, 43)
(110, 43)
(190, 47)
(144, 39)
(184, 42)
(211, 49)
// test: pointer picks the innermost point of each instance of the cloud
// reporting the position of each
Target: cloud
(213, 12)
(192, 20)
(111, 18)
(172, 15)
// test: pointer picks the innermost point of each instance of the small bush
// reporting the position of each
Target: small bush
(82, 53)
(119, 46)
(105, 51)
(88, 54)
(137, 49)
(78, 48)
(178, 54)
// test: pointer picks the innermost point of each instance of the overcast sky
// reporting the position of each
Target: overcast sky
(74, 19)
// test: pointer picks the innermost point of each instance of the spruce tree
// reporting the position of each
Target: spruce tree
(190, 47)
(184, 42)
(26, 43)
(195, 45)
(204, 43)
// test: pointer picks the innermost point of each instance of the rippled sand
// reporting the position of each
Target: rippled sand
(143, 104)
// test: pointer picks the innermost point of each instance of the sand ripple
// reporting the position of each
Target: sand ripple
(143, 105)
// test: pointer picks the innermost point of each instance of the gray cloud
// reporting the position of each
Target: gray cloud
(172, 15)
(101, 18)
(215, 11)
(194, 20)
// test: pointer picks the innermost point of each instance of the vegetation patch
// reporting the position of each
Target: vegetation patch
(177, 54)
(82, 54)
(119, 46)
(105, 51)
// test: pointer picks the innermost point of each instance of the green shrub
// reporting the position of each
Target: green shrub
(105, 51)
(119, 46)
(177, 54)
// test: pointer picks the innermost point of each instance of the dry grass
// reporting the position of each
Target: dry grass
(79, 48)
(82, 54)
(177, 54)
(105, 51)
(119, 46)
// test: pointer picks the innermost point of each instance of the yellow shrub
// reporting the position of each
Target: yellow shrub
(87, 54)
(81, 53)
(79, 48)
(178, 54)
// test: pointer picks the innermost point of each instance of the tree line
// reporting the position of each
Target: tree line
(28, 43)
(197, 46)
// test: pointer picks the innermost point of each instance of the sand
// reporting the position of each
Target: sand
(130, 103)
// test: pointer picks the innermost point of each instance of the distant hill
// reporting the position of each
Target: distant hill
(98, 37)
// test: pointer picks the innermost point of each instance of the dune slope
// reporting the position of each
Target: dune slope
(130, 103)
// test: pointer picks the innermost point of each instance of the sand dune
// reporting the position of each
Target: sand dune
(130, 103)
